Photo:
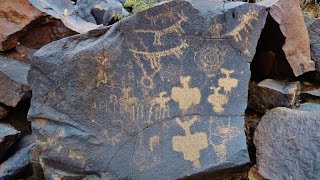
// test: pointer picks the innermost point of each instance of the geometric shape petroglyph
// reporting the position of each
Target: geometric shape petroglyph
(190, 144)
(186, 96)
(211, 59)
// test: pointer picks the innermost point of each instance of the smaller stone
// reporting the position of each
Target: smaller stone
(8, 136)
(271, 93)
(287, 143)
(107, 13)
(17, 163)
(13, 81)
(309, 106)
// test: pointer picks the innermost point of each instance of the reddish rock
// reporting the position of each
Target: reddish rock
(288, 14)
(14, 16)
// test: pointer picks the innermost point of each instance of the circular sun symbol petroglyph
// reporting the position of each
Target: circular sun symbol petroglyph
(211, 59)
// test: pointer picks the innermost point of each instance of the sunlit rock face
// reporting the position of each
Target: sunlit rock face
(161, 94)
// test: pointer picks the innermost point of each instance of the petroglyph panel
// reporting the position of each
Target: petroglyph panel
(160, 94)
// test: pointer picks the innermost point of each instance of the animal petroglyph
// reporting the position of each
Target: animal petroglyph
(190, 144)
(218, 99)
(246, 21)
(211, 59)
(186, 96)
(175, 28)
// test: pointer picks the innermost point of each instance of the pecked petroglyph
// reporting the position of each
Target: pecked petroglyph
(162, 100)
(102, 63)
(211, 59)
(153, 142)
(190, 144)
(246, 21)
(227, 133)
(155, 57)
(227, 83)
(219, 99)
(186, 96)
(216, 29)
(175, 28)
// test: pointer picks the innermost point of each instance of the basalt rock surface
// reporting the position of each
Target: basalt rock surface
(161, 94)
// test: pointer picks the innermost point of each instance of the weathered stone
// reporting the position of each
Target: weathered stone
(67, 13)
(161, 94)
(107, 13)
(252, 119)
(15, 164)
(287, 143)
(13, 81)
(288, 14)
(14, 16)
(271, 93)
(3, 112)
(314, 33)
(8, 136)
(309, 106)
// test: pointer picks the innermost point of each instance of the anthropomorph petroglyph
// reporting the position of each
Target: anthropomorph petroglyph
(162, 100)
(185, 95)
(246, 21)
(218, 99)
(227, 83)
(190, 144)
(227, 133)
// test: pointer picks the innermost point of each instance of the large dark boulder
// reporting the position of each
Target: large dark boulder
(161, 94)
(287, 143)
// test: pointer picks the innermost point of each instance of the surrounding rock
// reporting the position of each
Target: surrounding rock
(8, 136)
(271, 93)
(287, 143)
(16, 164)
(161, 94)
(14, 16)
(107, 13)
(311, 107)
(13, 81)
(314, 33)
(288, 14)
(67, 13)
(252, 119)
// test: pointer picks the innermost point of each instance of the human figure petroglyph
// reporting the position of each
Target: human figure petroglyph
(190, 144)
(217, 99)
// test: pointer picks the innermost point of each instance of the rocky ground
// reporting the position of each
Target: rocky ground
(182, 89)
